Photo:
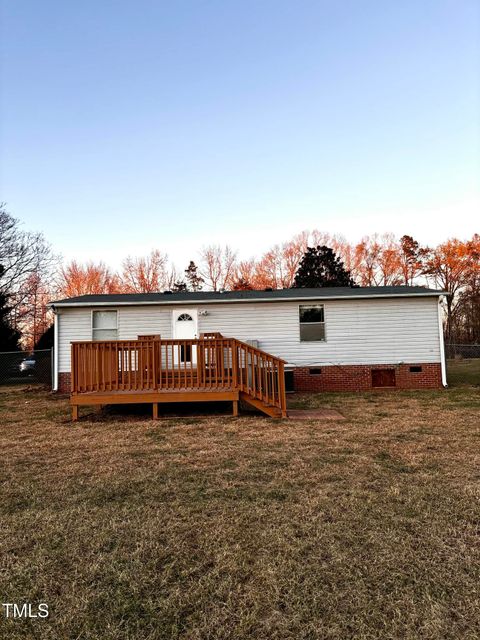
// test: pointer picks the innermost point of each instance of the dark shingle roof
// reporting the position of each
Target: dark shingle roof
(244, 296)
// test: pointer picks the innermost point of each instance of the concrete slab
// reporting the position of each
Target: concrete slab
(315, 414)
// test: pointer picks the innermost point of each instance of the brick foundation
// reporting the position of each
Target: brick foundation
(359, 377)
(63, 383)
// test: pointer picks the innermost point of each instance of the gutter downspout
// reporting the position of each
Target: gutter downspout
(55, 350)
(442, 343)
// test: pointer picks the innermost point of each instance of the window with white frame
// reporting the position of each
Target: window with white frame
(312, 322)
(104, 325)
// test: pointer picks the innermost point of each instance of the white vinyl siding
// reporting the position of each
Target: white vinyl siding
(359, 331)
(372, 331)
(76, 324)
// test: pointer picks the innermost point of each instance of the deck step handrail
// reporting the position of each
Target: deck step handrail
(151, 363)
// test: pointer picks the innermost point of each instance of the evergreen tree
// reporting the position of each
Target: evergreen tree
(194, 280)
(320, 267)
(179, 287)
(46, 339)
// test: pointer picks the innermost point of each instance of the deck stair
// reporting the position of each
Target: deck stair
(152, 370)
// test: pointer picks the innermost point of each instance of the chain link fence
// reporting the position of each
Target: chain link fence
(19, 367)
(463, 364)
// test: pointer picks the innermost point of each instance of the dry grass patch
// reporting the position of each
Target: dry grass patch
(244, 528)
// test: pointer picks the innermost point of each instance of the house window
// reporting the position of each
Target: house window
(104, 325)
(312, 322)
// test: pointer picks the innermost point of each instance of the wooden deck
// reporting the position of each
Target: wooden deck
(151, 370)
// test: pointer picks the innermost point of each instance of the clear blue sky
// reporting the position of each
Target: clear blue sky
(127, 125)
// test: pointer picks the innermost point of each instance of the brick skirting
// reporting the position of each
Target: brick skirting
(64, 383)
(359, 377)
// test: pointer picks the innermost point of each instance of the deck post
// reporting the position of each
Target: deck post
(235, 408)
(74, 412)
(155, 410)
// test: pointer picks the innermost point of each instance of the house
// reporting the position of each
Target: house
(322, 339)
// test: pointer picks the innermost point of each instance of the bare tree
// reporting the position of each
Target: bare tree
(217, 266)
(145, 274)
(34, 315)
(22, 254)
(452, 264)
(27, 263)
(83, 279)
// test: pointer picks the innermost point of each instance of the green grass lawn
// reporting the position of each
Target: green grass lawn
(226, 528)
(463, 372)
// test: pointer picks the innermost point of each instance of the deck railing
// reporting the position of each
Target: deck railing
(153, 364)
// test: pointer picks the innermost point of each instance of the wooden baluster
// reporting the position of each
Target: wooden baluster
(244, 369)
(166, 366)
(134, 364)
(265, 368)
(100, 366)
(90, 368)
(185, 356)
(260, 377)
(265, 379)
(221, 363)
(209, 364)
(108, 367)
(281, 386)
(241, 368)
(137, 353)
(117, 365)
(269, 381)
(234, 364)
(157, 367)
(191, 364)
(150, 365)
(242, 365)
(174, 373)
(73, 376)
(254, 361)
(199, 363)
(85, 367)
(122, 364)
(146, 384)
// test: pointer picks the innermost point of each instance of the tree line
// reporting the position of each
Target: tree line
(31, 274)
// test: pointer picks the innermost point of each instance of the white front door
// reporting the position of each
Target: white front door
(185, 326)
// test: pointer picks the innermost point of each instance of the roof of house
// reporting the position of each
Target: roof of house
(206, 297)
